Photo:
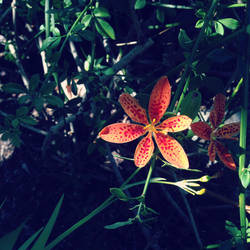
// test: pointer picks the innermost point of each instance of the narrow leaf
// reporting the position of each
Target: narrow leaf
(13, 88)
(42, 240)
(119, 224)
(28, 242)
(8, 241)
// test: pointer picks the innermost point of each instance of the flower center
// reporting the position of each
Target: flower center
(213, 136)
(151, 127)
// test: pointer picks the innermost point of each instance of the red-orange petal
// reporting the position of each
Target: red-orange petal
(159, 99)
(225, 156)
(144, 151)
(202, 129)
(211, 151)
(133, 109)
(121, 132)
(171, 150)
(218, 112)
(228, 130)
(175, 124)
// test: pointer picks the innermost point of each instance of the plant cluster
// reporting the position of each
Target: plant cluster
(180, 72)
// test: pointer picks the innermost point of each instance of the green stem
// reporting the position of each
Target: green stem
(192, 56)
(96, 211)
(182, 94)
(243, 131)
(74, 25)
(142, 203)
(47, 18)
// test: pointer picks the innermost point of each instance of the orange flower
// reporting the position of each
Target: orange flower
(170, 149)
(204, 131)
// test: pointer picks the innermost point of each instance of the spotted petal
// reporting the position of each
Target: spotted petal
(144, 151)
(228, 130)
(175, 124)
(225, 156)
(171, 150)
(218, 112)
(121, 132)
(133, 109)
(159, 99)
(211, 151)
(202, 129)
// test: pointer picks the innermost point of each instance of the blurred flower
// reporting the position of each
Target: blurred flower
(170, 149)
(213, 133)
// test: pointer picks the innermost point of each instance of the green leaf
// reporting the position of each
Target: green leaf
(108, 72)
(191, 104)
(23, 99)
(55, 101)
(55, 31)
(86, 20)
(74, 87)
(184, 40)
(47, 88)
(104, 28)
(42, 240)
(199, 24)
(38, 102)
(140, 4)
(120, 224)
(28, 242)
(245, 177)
(101, 12)
(248, 29)
(15, 123)
(200, 13)
(230, 23)
(232, 229)
(21, 111)
(219, 28)
(15, 139)
(87, 35)
(28, 120)
(50, 42)
(34, 82)
(118, 193)
(8, 241)
(160, 15)
(13, 88)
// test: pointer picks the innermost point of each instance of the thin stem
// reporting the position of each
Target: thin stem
(243, 131)
(74, 25)
(142, 203)
(192, 56)
(47, 18)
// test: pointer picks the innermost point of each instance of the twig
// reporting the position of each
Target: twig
(14, 48)
(128, 58)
